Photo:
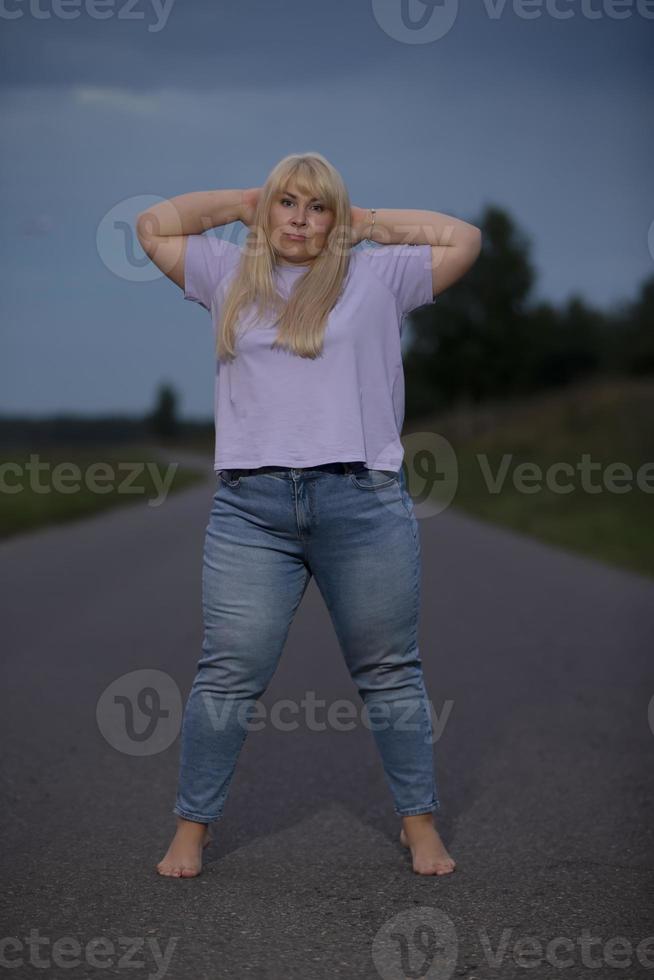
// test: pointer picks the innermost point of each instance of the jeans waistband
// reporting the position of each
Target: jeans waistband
(338, 467)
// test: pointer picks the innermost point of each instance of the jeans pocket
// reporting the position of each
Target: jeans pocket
(407, 501)
(367, 479)
(228, 479)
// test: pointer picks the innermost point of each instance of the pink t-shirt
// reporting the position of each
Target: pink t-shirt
(273, 408)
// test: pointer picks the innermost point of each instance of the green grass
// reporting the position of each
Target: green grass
(611, 421)
(122, 482)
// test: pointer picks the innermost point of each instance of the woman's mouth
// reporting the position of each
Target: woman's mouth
(295, 238)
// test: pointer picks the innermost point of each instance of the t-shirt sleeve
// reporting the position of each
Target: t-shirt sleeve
(208, 260)
(406, 270)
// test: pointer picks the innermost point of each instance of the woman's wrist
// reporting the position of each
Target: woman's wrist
(248, 204)
(363, 221)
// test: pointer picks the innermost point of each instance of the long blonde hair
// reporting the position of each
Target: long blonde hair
(303, 318)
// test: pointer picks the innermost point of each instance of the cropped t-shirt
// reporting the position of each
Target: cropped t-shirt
(274, 408)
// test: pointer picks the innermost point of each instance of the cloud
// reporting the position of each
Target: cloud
(117, 98)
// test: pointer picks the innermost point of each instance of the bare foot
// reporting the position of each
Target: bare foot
(428, 852)
(183, 859)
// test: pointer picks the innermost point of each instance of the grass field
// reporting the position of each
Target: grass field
(610, 421)
(72, 483)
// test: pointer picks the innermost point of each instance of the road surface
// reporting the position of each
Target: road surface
(539, 665)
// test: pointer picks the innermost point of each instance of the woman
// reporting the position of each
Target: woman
(309, 404)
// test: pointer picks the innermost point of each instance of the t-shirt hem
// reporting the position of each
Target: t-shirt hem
(303, 464)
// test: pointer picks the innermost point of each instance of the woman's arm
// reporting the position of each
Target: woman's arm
(163, 229)
(455, 244)
(399, 227)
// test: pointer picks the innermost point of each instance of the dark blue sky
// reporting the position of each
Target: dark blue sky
(512, 104)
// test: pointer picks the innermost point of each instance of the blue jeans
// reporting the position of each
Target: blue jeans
(271, 529)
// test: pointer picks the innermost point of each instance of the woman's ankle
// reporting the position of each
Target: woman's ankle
(183, 822)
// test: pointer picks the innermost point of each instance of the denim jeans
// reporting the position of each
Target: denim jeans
(270, 530)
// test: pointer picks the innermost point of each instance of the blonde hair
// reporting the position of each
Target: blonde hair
(303, 317)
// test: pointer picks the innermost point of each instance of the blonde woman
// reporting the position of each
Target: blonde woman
(309, 404)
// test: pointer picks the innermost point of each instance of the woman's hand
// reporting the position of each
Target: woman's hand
(249, 200)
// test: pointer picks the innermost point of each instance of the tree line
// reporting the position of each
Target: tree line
(484, 338)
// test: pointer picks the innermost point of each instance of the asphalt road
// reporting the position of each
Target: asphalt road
(540, 667)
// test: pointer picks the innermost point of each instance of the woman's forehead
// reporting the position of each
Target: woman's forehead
(294, 191)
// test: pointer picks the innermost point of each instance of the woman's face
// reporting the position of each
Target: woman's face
(309, 220)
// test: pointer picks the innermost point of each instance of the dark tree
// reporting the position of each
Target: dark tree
(163, 420)
(630, 345)
(483, 339)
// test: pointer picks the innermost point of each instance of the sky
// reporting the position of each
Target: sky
(542, 107)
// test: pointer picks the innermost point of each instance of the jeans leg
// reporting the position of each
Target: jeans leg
(365, 556)
(253, 580)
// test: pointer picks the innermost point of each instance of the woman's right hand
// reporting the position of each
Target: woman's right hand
(249, 200)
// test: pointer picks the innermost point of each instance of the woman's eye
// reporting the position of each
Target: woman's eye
(286, 200)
